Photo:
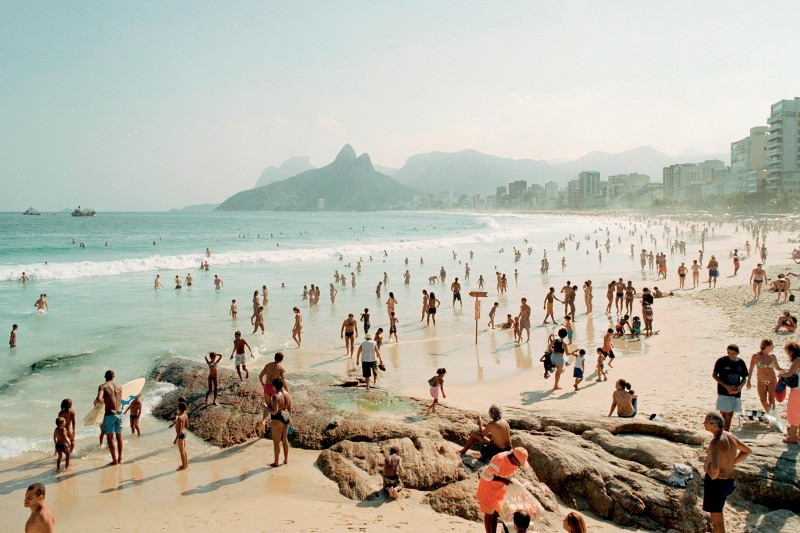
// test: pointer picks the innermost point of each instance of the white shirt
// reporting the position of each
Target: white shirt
(368, 351)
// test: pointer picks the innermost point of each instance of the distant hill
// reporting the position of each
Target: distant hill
(196, 208)
(389, 171)
(645, 160)
(350, 183)
(291, 167)
(470, 171)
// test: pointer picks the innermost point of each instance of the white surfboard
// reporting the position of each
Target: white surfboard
(129, 391)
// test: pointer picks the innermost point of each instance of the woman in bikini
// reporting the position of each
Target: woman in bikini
(587, 296)
(424, 304)
(256, 305)
(765, 362)
(610, 296)
(623, 400)
(212, 360)
(280, 412)
(297, 330)
(608, 348)
(682, 270)
(390, 303)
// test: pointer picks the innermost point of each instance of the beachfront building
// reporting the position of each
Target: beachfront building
(574, 196)
(690, 180)
(749, 162)
(551, 190)
(621, 185)
(783, 153)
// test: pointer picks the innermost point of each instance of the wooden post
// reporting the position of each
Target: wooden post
(477, 295)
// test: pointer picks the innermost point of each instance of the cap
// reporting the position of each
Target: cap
(521, 454)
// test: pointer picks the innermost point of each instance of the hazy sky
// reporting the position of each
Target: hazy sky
(151, 105)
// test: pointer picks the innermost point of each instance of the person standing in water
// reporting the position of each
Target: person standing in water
(425, 299)
(297, 329)
(12, 341)
(259, 320)
(256, 305)
(433, 304)
(349, 332)
(455, 287)
(157, 283)
(239, 345)
(218, 283)
(390, 303)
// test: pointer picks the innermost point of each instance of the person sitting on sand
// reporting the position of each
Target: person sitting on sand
(508, 324)
(786, 323)
(623, 400)
(495, 437)
(392, 465)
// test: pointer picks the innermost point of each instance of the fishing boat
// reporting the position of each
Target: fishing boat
(83, 212)
(31, 211)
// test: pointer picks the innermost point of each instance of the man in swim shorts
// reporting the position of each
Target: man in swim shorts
(525, 319)
(713, 271)
(239, 345)
(368, 355)
(110, 395)
(456, 288)
(730, 373)
(724, 452)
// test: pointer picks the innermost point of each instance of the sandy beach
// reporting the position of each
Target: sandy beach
(233, 488)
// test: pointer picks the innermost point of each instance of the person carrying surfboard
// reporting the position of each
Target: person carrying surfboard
(110, 395)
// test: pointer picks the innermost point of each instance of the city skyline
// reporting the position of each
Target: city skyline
(149, 106)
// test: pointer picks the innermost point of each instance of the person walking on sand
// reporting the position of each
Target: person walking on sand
(68, 414)
(724, 452)
(524, 319)
(436, 384)
(492, 313)
(557, 347)
(548, 305)
(368, 355)
(713, 271)
(110, 395)
(757, 278)
(695, 274)
(349, 332)
(239, 345)
(764, 363)
(62, 443)
(736, 263)
(212, 360)
(492, 485)
(601, 358)
(579, 368)
(271, 370)
(280, 414)
(42, 519)
(587, 296)
(181, 427)
(393, 321)
(682, 270)
(297, 329)
(730, 373)
(433, 304)
(792, 349)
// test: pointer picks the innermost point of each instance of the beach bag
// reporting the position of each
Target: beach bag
(519, 498)
(780, 391)
(432, 382)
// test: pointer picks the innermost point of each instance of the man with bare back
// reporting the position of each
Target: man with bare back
(110, 395)
(42, 519)
(724, 452)
(495, 437)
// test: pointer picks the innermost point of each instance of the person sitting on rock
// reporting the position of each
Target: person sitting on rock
(392, 464)
(492, 484)
(495, 437)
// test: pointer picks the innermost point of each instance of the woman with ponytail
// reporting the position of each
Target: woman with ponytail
(623, 400)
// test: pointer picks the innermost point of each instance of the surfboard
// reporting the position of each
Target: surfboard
(129, 391)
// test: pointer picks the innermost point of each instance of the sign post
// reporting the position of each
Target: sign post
(477, 295)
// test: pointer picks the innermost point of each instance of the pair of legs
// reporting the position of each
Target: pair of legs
(183, 454)
(135, 429)
(66, 453)
(114, 450)
(297, 336)
(559, 370)
(766, 393)
(349, 344)
(280, 436)
(239, 369)
(213, 384)
(474, 439)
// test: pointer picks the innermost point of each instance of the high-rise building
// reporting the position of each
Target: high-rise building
(748, 155)
(574, 194)
(688, 180)
(783, 171)
(516, 189)
(551, 190)
(590, 184)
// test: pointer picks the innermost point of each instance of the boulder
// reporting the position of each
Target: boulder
(353, 482)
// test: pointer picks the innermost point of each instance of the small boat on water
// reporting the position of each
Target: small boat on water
(31, 211)
(83, 212)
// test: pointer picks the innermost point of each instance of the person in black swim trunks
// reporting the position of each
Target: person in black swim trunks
(349, 332)
(181, 425)
(62, 442)
(392, 464)
(433, 303)
(724, 452)
(495, 437)
(280, 411)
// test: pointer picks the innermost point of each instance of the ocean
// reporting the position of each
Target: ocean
(105, 314)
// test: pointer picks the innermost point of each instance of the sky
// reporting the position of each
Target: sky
(148, 105)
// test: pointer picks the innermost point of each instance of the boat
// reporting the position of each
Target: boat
(31, 211)
(83, 212)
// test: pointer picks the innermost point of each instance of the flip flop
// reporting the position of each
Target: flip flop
(790, 441)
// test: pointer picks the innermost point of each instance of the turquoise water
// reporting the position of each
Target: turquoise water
(104, 312)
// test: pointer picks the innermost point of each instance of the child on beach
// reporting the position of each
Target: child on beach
(648, 319)
(492, 312)
(365, 319)
(68, 414)
(234, 312)
(601, 373)
(608, 348)
(393, 327)
(637, 326)
(62, 442)
(379, 337)
(508, 324)
(181, 425)
(239, 345)
(577, 371)
(135, 408)
(517, 331)
(436, 384)
(212, 360)
(12, 341)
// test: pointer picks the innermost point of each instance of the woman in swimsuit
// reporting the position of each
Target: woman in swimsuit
(280, 411)
(587, 296)
(333, 293)
(212, 360)
(424, 304)
(297, 330)
(433, 303)
(623, 400)
(390, 303)
(379, 338)
(766, 363)
(610, 296)
(256, 305)
(682, 270)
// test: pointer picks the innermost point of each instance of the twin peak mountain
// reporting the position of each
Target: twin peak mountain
(349, 183)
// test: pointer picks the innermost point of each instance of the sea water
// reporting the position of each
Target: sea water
(105, 314)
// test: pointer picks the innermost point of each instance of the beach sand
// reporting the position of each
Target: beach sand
(233, 489)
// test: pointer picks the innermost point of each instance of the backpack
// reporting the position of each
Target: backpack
(433, 381)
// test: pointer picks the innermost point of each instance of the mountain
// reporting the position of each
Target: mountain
(389, 171)
(196, 208)
(644, 160)
(291, 167)
(350, 183)
(470, 171)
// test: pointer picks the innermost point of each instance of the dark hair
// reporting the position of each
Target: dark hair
(394, 450)
(37, 488)
(182, 406)
(581, 352)
(278, 356)
(575, 522)
(495, 413)
(379, 330)
(793, 349)
(14, 326)
(522, 520)
(441, 371)
(733, 348)
(109, 375)
(66, 403)
(61, 420)
(562, 332)
(432, 296)
(626, 385)
(277, 383)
